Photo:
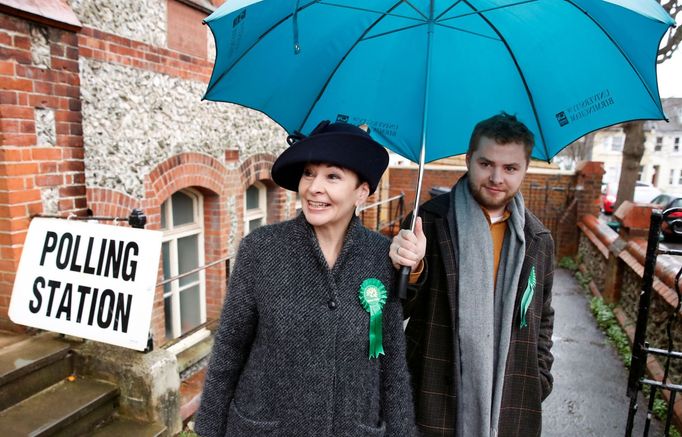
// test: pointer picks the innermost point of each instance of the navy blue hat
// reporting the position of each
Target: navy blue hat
(341, 144)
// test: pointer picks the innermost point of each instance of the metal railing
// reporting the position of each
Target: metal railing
(393, 216)
(641, 351)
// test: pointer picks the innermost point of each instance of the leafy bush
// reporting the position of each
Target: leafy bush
(568, 263)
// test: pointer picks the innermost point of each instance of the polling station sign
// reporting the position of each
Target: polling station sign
(87, 280)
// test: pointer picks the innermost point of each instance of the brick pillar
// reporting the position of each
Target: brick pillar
(614, 272)
(369, 216)
(634, 219)
(588, 187)
(41, 143)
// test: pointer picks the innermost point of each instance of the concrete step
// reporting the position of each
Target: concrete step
(194, 354)
(123, 427)
(69, 408)
(7, 338)
(31, 365)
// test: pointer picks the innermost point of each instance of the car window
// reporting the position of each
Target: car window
(676, 203)
(662, 199)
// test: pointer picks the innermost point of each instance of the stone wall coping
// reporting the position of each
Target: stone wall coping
(633, 255)
(594, 239)
(50, 12)
(602, 231)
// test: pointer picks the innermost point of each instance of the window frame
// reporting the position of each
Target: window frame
(256, 213)
(171, 235)
(617, 143)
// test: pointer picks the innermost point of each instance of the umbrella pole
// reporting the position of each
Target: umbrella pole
(404, 274)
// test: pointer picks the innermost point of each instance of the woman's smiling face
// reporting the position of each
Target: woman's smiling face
(330, 194)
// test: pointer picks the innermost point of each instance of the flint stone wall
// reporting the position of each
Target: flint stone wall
(135, 119)
(141, 20)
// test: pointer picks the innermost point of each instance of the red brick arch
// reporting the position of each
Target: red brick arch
(208, 176)
(256, 168)
(111, 203)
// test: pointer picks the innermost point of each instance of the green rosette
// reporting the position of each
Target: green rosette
(373, 297)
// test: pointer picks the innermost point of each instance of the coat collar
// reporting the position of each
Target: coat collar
(305, 231)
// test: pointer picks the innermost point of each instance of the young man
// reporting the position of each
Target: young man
(480, 329)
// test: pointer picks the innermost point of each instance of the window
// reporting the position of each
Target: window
(672, 177)
(679, 179)
(617, 143)
(640, 172)
(299, 208)
(184, 301)
(255, 208)
(676, 144)
(659, 144)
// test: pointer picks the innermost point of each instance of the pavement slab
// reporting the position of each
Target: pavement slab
(590, 379)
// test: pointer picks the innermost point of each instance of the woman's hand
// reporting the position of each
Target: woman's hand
(408, 248)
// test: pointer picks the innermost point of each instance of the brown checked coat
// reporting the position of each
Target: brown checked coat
(432, 350)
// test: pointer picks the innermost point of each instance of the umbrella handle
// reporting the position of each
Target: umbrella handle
(403, 278)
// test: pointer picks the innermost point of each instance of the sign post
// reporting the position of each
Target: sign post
(87, 280)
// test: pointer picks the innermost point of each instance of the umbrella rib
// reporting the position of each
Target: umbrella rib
(392, 31)
(518, 68)
(331, 76)
(273, 27)
(620, 49)
(466, 31)
(448, 9)
(477, 11)
(407, 2)
(374, 11)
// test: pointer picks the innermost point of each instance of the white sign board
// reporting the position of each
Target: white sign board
(87, 280)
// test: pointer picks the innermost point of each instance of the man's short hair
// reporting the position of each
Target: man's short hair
(504, 129)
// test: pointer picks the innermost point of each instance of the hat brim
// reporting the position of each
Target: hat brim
(359, 153)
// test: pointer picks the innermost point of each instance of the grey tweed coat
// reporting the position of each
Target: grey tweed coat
(291, 352)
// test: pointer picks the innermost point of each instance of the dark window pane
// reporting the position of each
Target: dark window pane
(167, 312)
(165, 251)
(190, 312)
(183, 209)
(188, 258)
(256, 223)
(252, 197)
(164, 205)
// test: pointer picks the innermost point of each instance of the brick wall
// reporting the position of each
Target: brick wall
(548, 194)
(41, 144)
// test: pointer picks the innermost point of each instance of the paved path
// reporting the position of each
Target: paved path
(589, 378)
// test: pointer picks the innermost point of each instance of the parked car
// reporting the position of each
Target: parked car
(664, 202)
(644, 193)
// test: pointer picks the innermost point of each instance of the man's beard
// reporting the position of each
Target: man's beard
(488, 203)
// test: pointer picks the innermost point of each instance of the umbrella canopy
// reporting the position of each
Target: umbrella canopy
(422, 73)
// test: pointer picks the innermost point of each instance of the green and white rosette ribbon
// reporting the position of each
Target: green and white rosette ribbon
(373, 297)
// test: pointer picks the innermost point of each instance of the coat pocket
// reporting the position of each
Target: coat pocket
(372, 431)
(239, 425)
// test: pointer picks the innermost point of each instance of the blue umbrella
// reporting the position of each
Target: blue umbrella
(422, 73)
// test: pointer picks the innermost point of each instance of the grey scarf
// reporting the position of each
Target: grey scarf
(484, 338)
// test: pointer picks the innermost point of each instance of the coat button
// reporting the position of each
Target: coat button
(332, 304)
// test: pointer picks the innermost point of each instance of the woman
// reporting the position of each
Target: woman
(310, 341)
